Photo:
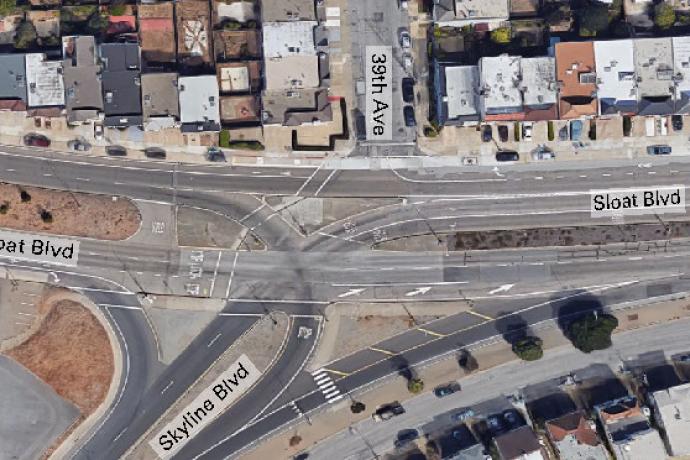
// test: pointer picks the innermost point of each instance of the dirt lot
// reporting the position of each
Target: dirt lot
(71, 353)
(72, 214)
(200, 228)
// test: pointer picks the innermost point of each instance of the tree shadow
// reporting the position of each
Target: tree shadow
(512, 327)
(577, 305)
(402, 367)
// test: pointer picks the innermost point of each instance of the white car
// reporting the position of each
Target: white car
(407, 62)
(98, 132)
(527, 130)
(405, 39)
(403, 4)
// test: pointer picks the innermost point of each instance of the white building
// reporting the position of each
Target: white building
(199, 103)
(460, 13)
(681, 72)
(501, 82)
(45, 85)
(672, 413)
(654, 72)
(615, 70)
(461, 94)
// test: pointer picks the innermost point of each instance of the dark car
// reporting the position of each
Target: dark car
(215, 155)
(507, 155)
(563, 133)
(360, 126)
(408, 113)
(155, 152)
(503, 133)
(405, 437)
(408, 89)
(116, 151)
(659, 150)
(79, 145)
(575, 130)
(487, 133)
(388, 411)
(36, 140)
(677, 122)
(445, 390)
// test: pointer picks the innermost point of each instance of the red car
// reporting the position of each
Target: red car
(36, 140)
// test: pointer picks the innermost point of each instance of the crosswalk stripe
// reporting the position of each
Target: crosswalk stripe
(326, 385)
(337, 398)
(323, 379)
(333, 392)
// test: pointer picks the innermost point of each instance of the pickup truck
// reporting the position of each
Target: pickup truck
(388, 411)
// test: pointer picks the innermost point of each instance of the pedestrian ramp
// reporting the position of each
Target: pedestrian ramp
(327, 386)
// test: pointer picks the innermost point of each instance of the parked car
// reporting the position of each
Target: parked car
(503, 133)
(215, 155)
(507, 155)
(407, 62)
(543, 153)
(487, 133)
(662, 126)
(155, 152)
(408, 114)
(97, 131)
(659, 149)
(563, 133)
(36, 140)
(527, 127)
(405, 437)
(408, 89)
(405, 39)
(575, 130)
(79, 145)
(388, 411)
(360, 126)
(116, 151)
(447, 389)
(677, 122)
(462, 415)
(403, 4)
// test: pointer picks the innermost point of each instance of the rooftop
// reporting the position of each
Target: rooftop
(681, 69)
(236, 44)
(160, 99)
(156, 32)
(296, 107)
(501, 82)
(462, 12)
(288, 10)
(193, 32)
(282, 39)
(121, 84)
(520, 443)
(576, 438)
(44, 80)
(654, 67)
(673, 413)
(12, 77)
(199, 103)
(575, 71)
(292, 72)
(462, 91)
(238, 77)
(629, 431)
(539, 81)
(240, 109)
(615, 64)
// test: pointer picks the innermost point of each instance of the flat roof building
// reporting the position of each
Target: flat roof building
(44, 81)
(681, 69)
(199, 103)
(458, 94)
(575, 437)
(539, 88)
(296, 107)
(288, 10)
(13, 78)
(82, 76)
(672, 414)
(160, 101)
(193, 33)
(157, 33)
(240, 110)
(654, 71)
(281, 39)
(239, 77)
(460, 13)
(615, 67)
(501, 97)
(575, 72)
(121, 78)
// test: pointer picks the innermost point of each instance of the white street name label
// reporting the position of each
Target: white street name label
(210, 403)
(34, 248)
(379, 94)
(648, 200)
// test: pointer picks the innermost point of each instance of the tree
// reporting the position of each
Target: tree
(295, 440)
(501, 35)
(7, 7)
(467, 362)
(25, 36)
(594, 19)
(24, 196)
(664, 16)
(415, 385)
(592, 332)
(554, 13)
(46, 216)
(528, 348)
(357, 407)
(4, 207)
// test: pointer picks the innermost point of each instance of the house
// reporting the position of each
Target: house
(47, 25)
(681, 71)
(575, 437)
(628, 430)
(199, 103)
(296, 107)
(483, 14)
(615, 67)
(457, 94)
(239, 77)
(524, 8)
(121, 83)
(575, 72)
(240, 110)
(44, 81)
(82, 77)
(121, 26)
(193, 33)
(232, 45)
(501, 97)
(288, 10)
(160, 101)
(654, 72)
(241, 11)
(157, 34)
(519, 444)
(13, 94)
(460, 444)
(672, 414)
(291, 61)
(539, 88)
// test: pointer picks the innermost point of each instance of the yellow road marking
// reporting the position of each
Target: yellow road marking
(427, 331)
(488, 318)
(341, 373)
(380, 350)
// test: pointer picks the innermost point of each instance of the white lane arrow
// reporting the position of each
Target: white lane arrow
(644, 165)
(502, 288)
(54, 275)
(496, 171)
(351, 292)
(421, 290)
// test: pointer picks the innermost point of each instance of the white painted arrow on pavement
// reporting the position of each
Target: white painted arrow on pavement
(351, 292)
(421, 290)
(644, 165)
(497, 173)
(502, 288)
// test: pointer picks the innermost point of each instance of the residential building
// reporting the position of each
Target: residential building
(240, 110)
(288, 10)
(575, 71)
(156, 34)
(44, 81)
(82, 77)
(574, 437)
(13, 94)
(230, 45)
(239, 77)
(482, 14)
(241, 11)
(193, 33)
(616, 86)
(457, 94)
(121, 78)
(199, 103)
(628, 430)
(460, 444)
(681, 71)
(47, 25)
(294, 108)
(672, 415)
(539, 88)
(654, 72)
(501, 96)
(519, 444)
(160, 101)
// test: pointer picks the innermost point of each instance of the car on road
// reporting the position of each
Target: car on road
(447, 389)
(388, 411)
(408, 89)
(527, 127)
(575, 130)
(683, 358)
(405, 39)
(36, 140)
(79, 145)
(677, 122)
(487, 133)
(503, 133)
(659, 149)
(116, 151)
(405, 437)
(408, 114)
(543, 153)
(462, 415)
(507, 155)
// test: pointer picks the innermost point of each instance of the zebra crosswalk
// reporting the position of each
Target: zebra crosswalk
(327, 386)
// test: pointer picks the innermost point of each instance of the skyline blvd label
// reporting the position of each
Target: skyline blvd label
(39, 248)
(667, 199)
(210, 403)
(379, 93)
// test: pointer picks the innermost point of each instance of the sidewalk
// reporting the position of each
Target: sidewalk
(490, 354)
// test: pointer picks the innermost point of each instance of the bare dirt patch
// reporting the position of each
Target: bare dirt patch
(71, 353)
(67, 213)
(201, 228)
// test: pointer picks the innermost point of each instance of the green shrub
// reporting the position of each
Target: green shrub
(25, 36)
(46, 216)
(516, 131)
(528, 348)
(246, 145)
(550, 131)
(415, 385)
(117, 9)
(593, 130)
(4, 207)
(592, 332)
(664, 16)
(627, 125)
(24, 196)
(502, 35)
(224, 138)
(7, 7)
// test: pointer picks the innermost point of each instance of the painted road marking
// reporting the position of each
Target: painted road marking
(333, 371)
(421, 290)
(326, 385)
(381, 350)
(427, 331)
(471, 312)
(502, 288)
